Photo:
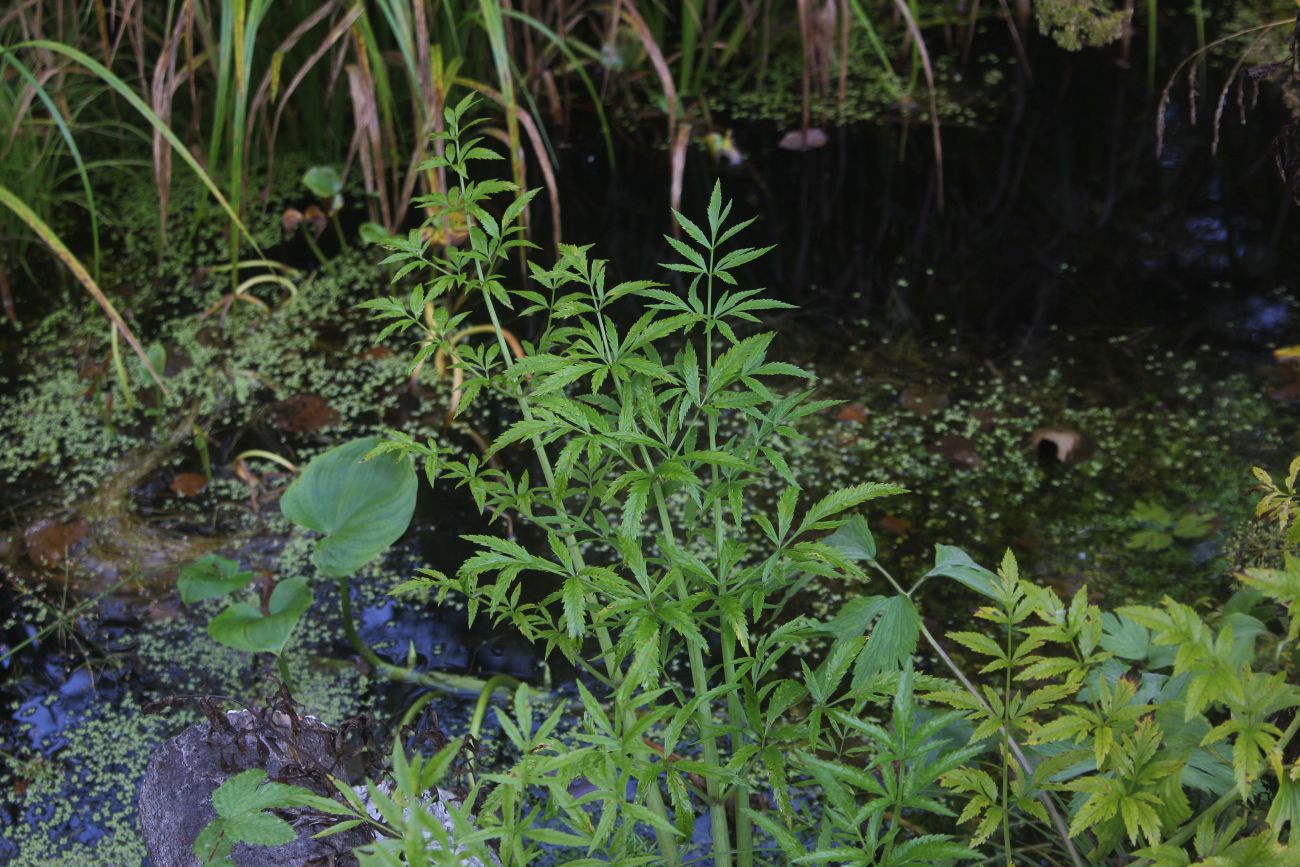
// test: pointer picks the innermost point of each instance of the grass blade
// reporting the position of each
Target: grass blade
(562, 46)
(118, 85)
(52, 240)
(22, 69)
(924, 55)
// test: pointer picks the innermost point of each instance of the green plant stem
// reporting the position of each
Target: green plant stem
(315, 249)
(744, 830)
(703, 715)
(744, 824)
(338, 230)
(408, 717)
(896, 816)
(1006, 745)
(548, 475)
(667, 844)
(690, 27)
(283, 665)
(1058, 821)
(119, 368)
(494, 23)
(1022, 760)
(497, 681)
(695, 655)
(442, 682)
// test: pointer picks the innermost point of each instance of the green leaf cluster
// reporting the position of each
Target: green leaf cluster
(244, 804)
(649, 418)
(246, 625)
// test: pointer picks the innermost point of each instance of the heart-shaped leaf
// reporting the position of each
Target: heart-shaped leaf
(324, 181)
(210, 577)
(373, 233)
(361, 506)
(243, 626)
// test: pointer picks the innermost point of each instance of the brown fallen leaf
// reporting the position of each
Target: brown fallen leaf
(291, 219)
(188, 484)
(316, 217)
(304, 413)
(48, 541)
(852, 412)
(958, 451)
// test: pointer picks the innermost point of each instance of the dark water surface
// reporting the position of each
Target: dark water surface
(1057, 211)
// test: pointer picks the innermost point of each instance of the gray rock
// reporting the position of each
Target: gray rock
(176, 794)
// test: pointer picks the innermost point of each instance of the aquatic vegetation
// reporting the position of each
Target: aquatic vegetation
(1084, 733)
(964, 435)
(1076, 23)
(81, 808)
(667, 544)
(236, 81)
(1180, 440)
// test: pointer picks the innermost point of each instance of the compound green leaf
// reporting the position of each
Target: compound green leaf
(854, 539)
(892, 641)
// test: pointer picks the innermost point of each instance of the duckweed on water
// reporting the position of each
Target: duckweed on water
(1177, 439)
(82, 812)
(867, 95)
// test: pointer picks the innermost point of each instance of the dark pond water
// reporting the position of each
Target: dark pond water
(1059, 211)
